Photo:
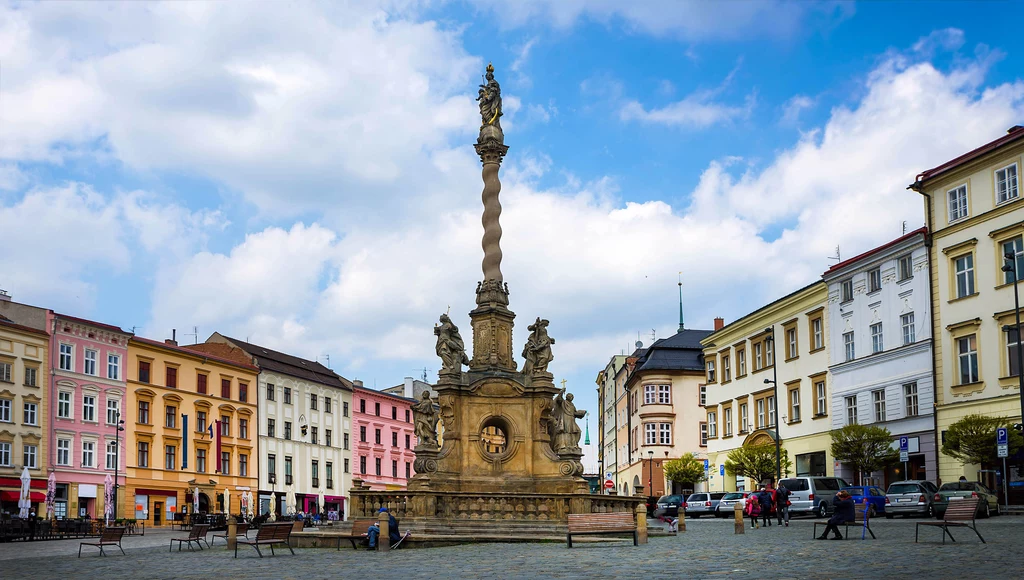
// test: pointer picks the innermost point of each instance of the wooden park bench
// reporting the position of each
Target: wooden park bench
(862, 518)
(195, 535)
(360, 529)
(110, 537)
(241, 529)
(959, 514)
(594, 524)
(268, 535)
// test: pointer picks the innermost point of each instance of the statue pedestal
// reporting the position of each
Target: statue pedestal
(492, 328)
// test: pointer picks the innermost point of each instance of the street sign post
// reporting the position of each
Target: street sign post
(707, 465)
(609, 484)
(1003, 451)
(904, 453)
(721, 469)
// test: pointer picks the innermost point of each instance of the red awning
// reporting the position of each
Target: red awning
(35, 496)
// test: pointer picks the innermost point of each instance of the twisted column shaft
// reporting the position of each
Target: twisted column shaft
(492, 228)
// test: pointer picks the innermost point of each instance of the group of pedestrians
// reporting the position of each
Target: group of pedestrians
(767, 503)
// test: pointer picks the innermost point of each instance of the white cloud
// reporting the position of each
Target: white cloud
(696, 111)
(793, 107)
(946, 40)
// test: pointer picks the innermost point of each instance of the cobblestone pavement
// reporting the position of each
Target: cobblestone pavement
(708, 549)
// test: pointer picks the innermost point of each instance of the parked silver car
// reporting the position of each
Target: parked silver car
(812, 494)
(702, 504)
(729, 500)
(911, 497)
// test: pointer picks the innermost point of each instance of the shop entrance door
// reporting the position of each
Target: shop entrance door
(158, 512)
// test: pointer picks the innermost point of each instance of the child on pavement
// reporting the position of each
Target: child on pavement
(753, 510)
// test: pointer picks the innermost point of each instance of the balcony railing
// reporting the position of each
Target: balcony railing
(287, 480)
(330, 484)
(316, 482)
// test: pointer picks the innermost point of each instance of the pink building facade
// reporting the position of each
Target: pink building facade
(382, 428)
(87, 393)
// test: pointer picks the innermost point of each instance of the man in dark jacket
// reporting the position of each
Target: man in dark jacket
(845, 512)
(764, 498)
(782, 504)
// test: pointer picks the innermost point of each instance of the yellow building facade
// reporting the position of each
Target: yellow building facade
(175, 395)
(787, 338)
(975, 215)
(24, 379)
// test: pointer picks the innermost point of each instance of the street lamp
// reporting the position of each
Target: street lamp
(775, 395)
(650, 476)
(117, 455)
(1010, 266)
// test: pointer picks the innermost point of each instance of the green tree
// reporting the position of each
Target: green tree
(756, 462)
(686, 469)
(866, 448)
(973, 439)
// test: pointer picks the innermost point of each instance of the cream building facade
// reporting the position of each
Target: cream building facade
(607, 396)
(741, 406)
(975, 215)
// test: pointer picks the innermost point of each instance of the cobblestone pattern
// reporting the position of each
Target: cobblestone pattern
(708, 549)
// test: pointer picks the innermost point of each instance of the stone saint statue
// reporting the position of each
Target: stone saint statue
(567, 432)
(537, 351)
(489, 98)
(425, 417)
(450, 347)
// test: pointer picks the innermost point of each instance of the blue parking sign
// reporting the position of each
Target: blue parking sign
(721, 469)
(904, 443)
(707, 465)
(1001, 436)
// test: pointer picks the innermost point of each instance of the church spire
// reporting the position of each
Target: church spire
(681, 325)
(586, 440)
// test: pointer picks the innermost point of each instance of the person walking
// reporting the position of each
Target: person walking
(752, 509)
(764, 499)
(845, 512)
(782, 504)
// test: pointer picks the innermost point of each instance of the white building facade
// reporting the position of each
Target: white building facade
(881, 357)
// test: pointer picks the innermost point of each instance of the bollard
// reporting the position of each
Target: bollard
(740, 523)
(384, 539)
(232, 532)
(641, 523)
(681, 518)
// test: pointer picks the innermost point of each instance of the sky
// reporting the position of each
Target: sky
(302, 175)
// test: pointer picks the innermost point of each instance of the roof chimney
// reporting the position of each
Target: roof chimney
(4, 296)
(719, 323)
(357, 383)
(408, 388)
(173, 340)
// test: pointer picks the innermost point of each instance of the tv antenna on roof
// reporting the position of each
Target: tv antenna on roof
(424, 375)
(837, 257)
(328, 357)
(194, 334)
(904, 227)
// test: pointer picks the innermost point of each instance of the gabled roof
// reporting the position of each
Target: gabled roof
(874, 251)
(287, 364)
(680, 352)
(193, 353)
(385, 394)
(1014, 133)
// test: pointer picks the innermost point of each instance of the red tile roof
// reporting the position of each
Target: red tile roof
(184, 350)
(847, 262)
(90, 322)
(225, 351)
(1014, 133)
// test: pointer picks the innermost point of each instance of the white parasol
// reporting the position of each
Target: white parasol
(248, 504)
(227, 501)
(195, 500)
(51, 495)
(108, 497)
(25, 499)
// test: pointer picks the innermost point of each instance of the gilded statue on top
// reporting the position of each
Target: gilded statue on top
(489, 99)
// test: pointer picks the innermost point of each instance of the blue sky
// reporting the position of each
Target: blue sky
(302, 174)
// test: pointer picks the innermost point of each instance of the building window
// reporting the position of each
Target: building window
(287, 396)
(270, 391)
(394, 469)
(910, 399)
(327, 405)
(170, 451)
(726, 368)
(957, 203)
(113, 367)
(376, 436)
(329, 469)
(144, 412)
(5, 372)
(964, 266)
(89, 408)
(63, 452)
(344, 439)
(875, 280)
(407, 416)
(225, 426)
(90, 362)
(772, 418)
(819, 394)
(376, 462)
(327, 437)
(5, 454)
(270, 428)
(878, 402)
(703, 395)
(848, 346)
(376, 409)
(5, 410)
(408, 470)
(847, 289)
(741, 363)
(201, 383)
(362, 406)
(711, 371)
(344, 408)
(727, 422)
(30, 377)
(794, 405)
(143, 455)
(31, 417)
(760, 413)
(394, 413)
(744, 418)
(1006, 183)
(143, 371)
(243, 392)
(665, 433)
(313, 436)
(906, 267)
(225, 388)
(312, 401)
(29, 456)
(346, 466)
(66, 361)
(664, 394)
(757, 356)
(243, 465)
(1014, 246)
(769, 352)
(171, 377)
(88, 454)
(394, 438)
(650, 394)
(876, 337)
(408, 441)
(201, 460)
(272, 466)
(817, 334)
(362, 464)
(650, 433)
(113, 411)
(63, 405)
(712, 424)
(288, 430)
(703, 434)
(200, 421)
(243, 428)
(225, 462)
(362, 433)
(287, 470)
(967, 355)
(111, 454)
(907, 322)
(851, 410)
